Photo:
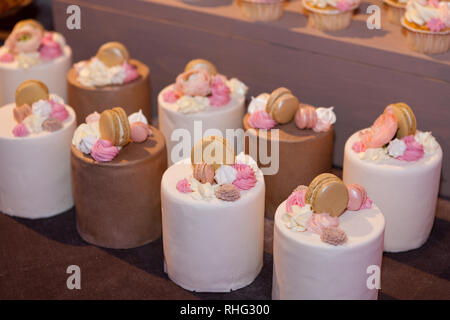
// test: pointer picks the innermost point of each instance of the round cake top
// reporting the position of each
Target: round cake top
(30, 45)
(200, 88)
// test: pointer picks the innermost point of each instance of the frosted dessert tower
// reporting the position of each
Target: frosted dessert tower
(400, 167)
(31, 52)
(35, 135)
(202, 102)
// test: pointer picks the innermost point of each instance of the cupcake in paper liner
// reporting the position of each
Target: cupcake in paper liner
(395, 10)
(330, 15)
(427, 24)
(262, 10)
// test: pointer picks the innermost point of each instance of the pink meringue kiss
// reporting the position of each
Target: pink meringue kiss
(320, 221)
(381, 132)
(194, 82)
(21, 112)
(357, 195)
(306, 117)
(414, 150)
(20, 130)
(59, 111)
(93, 117)
(103, 150)
(245, 178)
(131, 72)
(261, 120)
(184, 186)
(139, 131)
(50, 49)
(203, 172)
(220, 93)
(358, 147)
(297, 198)
(7, 57)
(170, 96)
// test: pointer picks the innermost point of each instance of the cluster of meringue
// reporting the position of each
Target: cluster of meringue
(195, 90)
(94, 73)
(29, 46)
(433, 14)
(43, 115)
(307, 117)
(300, 217)
(225, 183)
(341, 5)
(88, 140)
(378, 144)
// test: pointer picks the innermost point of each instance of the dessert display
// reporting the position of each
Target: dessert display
(200, 97)
(262, 10)
(330, 15)
(35, 135)
(395, 10)
(117, 164)
(110, 78)
(326, 236)
(31, 52)
(298, 139)
(213, 218)
(400, 167)
(427, 24)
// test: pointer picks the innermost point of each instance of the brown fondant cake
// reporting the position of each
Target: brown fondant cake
(303, 154)
(95, 86)
(117, 200)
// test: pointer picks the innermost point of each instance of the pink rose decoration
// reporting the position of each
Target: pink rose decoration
(170, 96)
(320, 221)
(343, 5)
(103, 150)
(414, 150)
(50, 49)
(297, 198)
(220, 92)
(184, 186)
(193, 83)
(7, 57)
(20, 130)
(358, 147)
(58, 111)
(245, 178)
(139, 131)
(367, 204)
(436, 25)
(25, 39)
(261, 120)
(381, 132)
(130, 72)
(93, 117)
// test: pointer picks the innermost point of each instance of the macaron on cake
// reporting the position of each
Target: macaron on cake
(35, 135)
(201, 99)
(400, 167)
(330, 15)
(213, 206)
(117, 163)
(291, 141)
(326, 236)
(110, 78)
(31, 52)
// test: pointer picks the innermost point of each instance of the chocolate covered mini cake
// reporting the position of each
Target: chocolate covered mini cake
(117, 165)
(110, 78)
(305, 142)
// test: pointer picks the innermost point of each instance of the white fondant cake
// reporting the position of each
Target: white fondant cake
(35, 170)
(52, 73)
(406, 192)
(307, 268)
(211, 245)
(220, 118)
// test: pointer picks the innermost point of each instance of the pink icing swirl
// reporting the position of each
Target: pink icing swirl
(59, 111)
(194, 82)
(7, 57)
(381, 132)
(131, 72)
(170, 96)
(358, 147)
(261, 120)
(245, 178)
(20, 130)
(184, 186)
(414, 150)
(436, 25)
(366, 204)
(103, 150)
(220, 93)
(319, 221)
(297, 198)
(50, 49)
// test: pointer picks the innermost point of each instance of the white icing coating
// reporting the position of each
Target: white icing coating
(326, 114)
(84, 135)
(96, 73)
(422, 11)
(190, 104)
(225, 175)
(42, 108)
(396, 148)
(137, 117)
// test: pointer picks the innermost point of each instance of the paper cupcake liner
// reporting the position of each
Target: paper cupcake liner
(329, 20)
(262, 11)
(394, 11)
(326, 11)
(395, 4)
(427, 41)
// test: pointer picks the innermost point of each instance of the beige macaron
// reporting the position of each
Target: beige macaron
(113, 54)
(282, 105)
(406, 119)
(202, 64)
(114, 126)
(213, 150)
(31, 91)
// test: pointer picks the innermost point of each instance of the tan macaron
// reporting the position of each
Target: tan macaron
(31, 91)
(282, 105)
(114, 126)
(327, 194)
(113, 54)
(213, 150)
(203, 64)
(29, 22)
(406, 120)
